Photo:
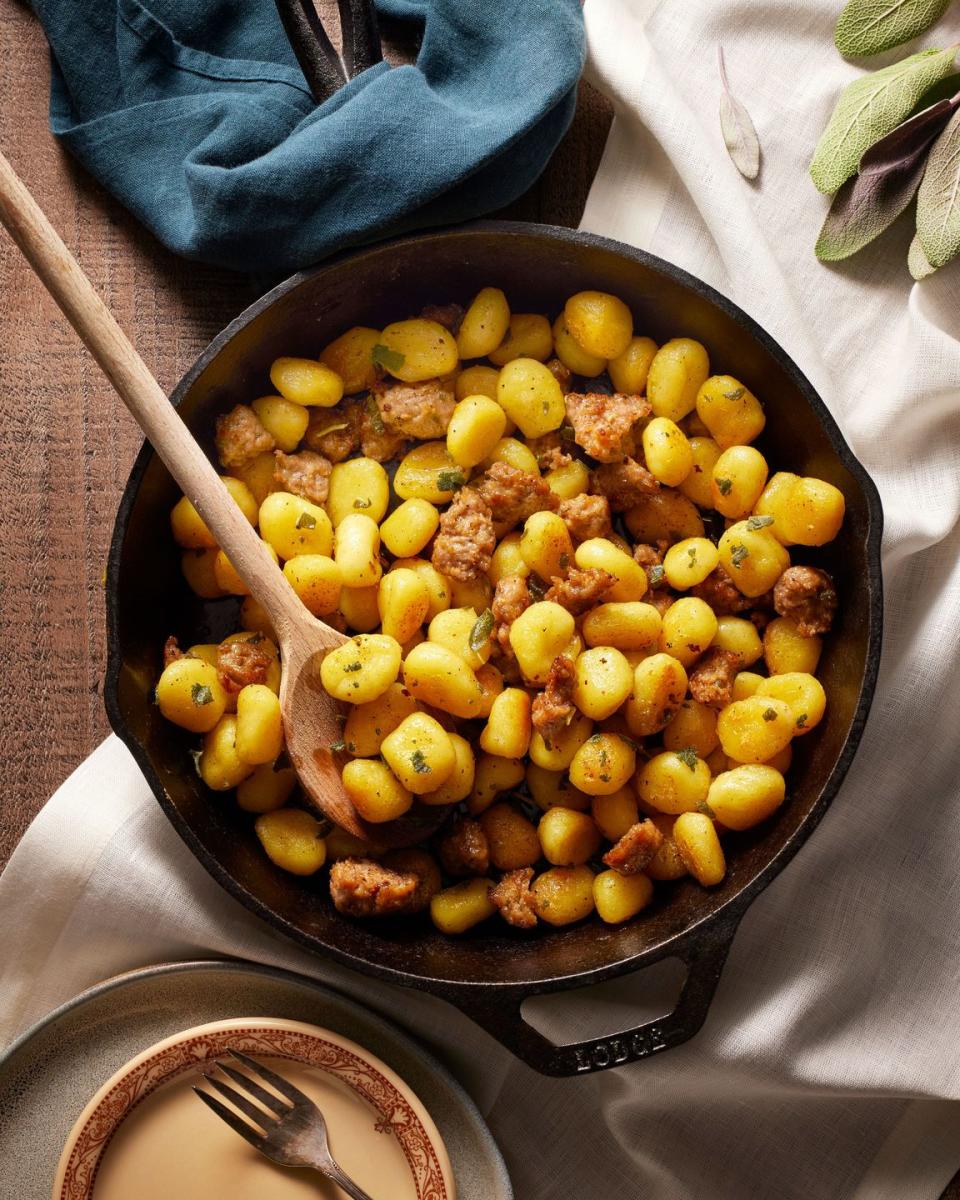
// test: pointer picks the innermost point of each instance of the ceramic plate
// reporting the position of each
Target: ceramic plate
(143, 1134)
(48, 1076)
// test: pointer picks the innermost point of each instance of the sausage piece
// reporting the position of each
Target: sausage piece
(722, 594)
(242, 662)
(466, 540)
(634, 851)
(241, 437)
(553, 708)
(514, 899)
(586, 517)
(806, 595)
(334, 432)
(605, 426)
(624, 484)
(514, 495)
(415, 410)
(711, 680)
(305, 474)
(581, 590)
(465, 849)
(360, 887)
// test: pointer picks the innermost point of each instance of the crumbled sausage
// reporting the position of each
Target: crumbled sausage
(561, 374)
(553, 708)
(711, 680)
(413, 861)
(449, 316)
(806, 595)
(241, 437)
(650, 556)
(465, 849)
(514, 495)
(465, 541)
(581, 590)
(334, 432)
(624, 484)
(635, 849)
(722, 594)
(242, 662)
(587, 517)
(605, 426)
(661, 599)
(515, 900)
(550, 451)
(171, 651)
(306, 474)
(416, 410)
(360, 887)
(510, 598)
(377, 440)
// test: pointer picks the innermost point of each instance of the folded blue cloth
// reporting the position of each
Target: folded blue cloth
(196, 116)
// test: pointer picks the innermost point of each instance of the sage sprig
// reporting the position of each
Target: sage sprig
(889, 175)
(871, 107)
(867, 27)
(938, 201)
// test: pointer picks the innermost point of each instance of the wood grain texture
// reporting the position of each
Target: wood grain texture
(66, 441)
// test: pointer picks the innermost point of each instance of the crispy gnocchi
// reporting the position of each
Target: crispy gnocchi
(582, 616)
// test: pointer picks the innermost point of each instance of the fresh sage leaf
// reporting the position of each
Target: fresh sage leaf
(383, 356)
(868, 27)
(938, 202)
(480, 633)
(739, 134)
(917, 261)
(869, 109)
(890, 173)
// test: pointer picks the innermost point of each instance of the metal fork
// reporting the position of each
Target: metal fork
(294, 1132)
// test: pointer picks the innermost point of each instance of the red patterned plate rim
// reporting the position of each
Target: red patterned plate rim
(399, 1108)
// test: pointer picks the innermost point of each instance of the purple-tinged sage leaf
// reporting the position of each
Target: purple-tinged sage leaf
(916, 133)
(739, 134)
(890, 173)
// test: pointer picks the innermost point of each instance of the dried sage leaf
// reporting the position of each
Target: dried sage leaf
(739, 134)
(890, 173)
(917, 261)
(868, 27)
(938, 202)
(869, 109)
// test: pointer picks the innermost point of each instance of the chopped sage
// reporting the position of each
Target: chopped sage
(759, 522)
(200, 694)
(724, 486)
(306, 521)
(352, 666)
(770, 715)
(450, 480)
(480, 633)
(688, 756)
(383, 356)
(419, 763)
(738, 554)
(360, 503)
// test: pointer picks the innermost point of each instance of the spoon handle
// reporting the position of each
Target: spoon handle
(63, 278)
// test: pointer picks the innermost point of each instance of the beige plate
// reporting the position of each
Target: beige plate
(144, 1133)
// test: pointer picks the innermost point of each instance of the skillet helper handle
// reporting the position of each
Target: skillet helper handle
(314, 51)
(63, 278)
(703, 957)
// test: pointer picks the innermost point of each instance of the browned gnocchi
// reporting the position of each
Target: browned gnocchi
(581, 617)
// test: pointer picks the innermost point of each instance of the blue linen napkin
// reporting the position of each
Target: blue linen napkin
(195, 114)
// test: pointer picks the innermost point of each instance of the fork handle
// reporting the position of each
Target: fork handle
(332, 1171)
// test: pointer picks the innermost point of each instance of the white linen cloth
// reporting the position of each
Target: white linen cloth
(828, 1066)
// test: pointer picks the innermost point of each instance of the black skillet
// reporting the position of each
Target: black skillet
(489, 972)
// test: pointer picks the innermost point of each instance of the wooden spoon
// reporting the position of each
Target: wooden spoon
(311, 718)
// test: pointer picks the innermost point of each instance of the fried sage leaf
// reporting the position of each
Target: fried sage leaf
(868, 27)
(917, 261)
(869, 109)
(739, 134)
(938, 202)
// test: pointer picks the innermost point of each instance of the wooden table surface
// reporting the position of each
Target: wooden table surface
(67, 443)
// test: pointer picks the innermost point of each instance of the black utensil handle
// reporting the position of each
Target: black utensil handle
(704, 955)
(360, 34)
(318, 60)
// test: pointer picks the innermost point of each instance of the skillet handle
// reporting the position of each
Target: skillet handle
(703, 954)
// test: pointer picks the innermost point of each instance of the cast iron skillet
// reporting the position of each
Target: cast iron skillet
(491, 971)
